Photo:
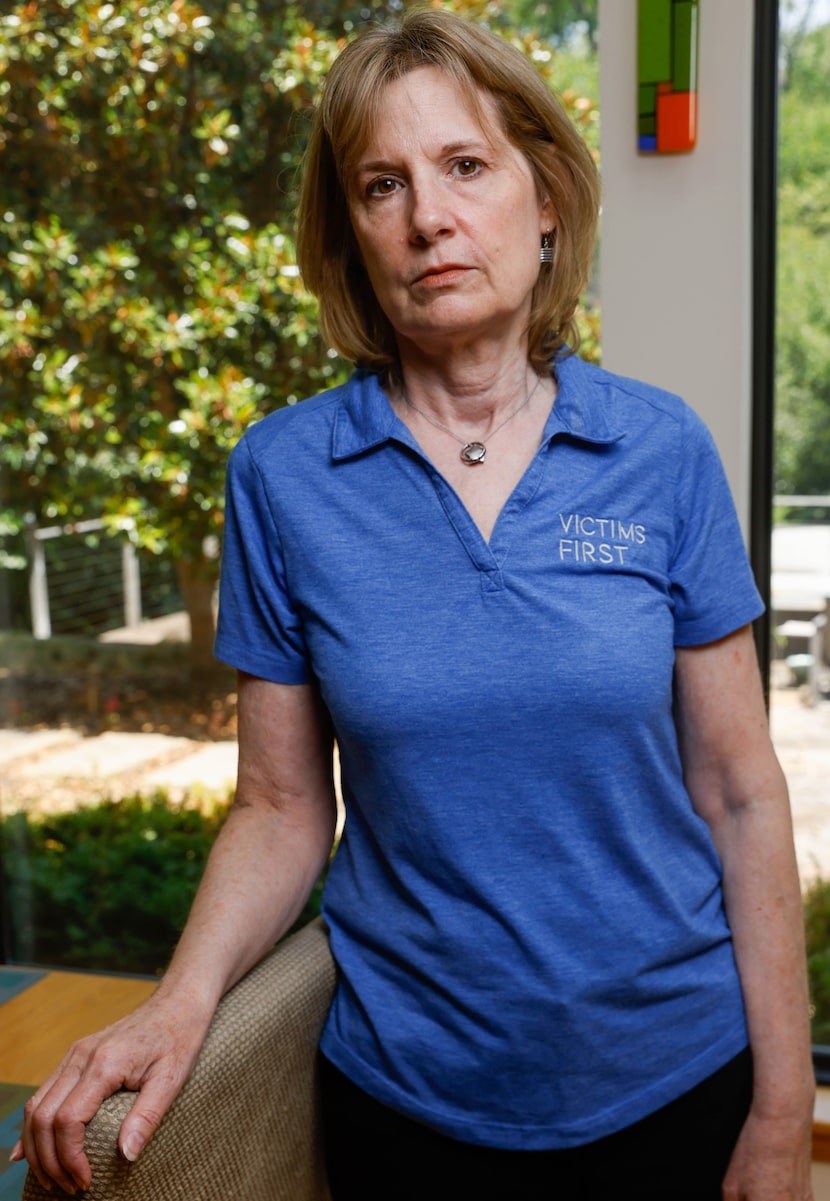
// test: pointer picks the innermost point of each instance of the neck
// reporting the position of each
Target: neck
(475, 395)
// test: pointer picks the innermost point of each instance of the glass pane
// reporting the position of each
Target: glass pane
(150, 310)
(800, 688)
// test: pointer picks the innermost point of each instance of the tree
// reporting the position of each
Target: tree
(803, 320)
(150, 306)
(796, 18)
(562, 22)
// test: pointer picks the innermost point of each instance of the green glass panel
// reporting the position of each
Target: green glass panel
(684, 48)
(654, 22)
(647, 124)
(648, 98)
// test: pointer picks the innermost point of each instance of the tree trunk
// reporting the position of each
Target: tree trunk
(197, 584)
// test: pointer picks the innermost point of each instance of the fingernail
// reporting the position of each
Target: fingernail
(17, 1153)
(132, 1147)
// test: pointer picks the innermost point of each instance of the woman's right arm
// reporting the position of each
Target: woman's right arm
(262, 868)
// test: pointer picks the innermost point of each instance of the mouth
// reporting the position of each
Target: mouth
(443, 274)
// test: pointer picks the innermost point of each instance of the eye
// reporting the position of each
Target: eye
(466, 168)
(385, 186)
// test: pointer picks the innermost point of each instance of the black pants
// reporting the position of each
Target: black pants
(679, 1153)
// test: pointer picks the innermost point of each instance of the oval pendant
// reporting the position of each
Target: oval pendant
(472, 453)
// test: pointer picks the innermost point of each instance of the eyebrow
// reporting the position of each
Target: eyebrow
(448, 150)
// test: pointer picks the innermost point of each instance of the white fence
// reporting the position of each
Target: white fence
(91, 587)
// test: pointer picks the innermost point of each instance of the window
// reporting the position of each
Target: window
(798, 478)
(153, 310)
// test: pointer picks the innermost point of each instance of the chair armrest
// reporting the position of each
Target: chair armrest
(245, 1125)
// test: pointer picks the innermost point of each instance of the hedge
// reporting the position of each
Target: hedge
(108, 886)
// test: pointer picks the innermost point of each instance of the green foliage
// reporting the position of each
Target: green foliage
(803, 320)
(150, 307)
(105, 887)
(817, 931)
(571, 23)
(804, 59)
(109, 886)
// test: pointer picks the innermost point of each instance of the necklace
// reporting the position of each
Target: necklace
(473, 453)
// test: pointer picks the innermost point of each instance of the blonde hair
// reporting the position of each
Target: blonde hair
(534, 122)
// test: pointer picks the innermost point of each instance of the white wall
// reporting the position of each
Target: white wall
(675, 262)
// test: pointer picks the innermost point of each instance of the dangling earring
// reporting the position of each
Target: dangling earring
(546, 252)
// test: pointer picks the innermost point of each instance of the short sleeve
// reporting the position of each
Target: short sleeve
(712, 584)
(258, 629)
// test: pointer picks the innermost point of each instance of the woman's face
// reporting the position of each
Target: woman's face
(447, 217)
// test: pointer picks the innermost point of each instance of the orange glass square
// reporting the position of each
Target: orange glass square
(676, 122)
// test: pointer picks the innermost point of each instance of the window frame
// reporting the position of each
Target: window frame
(764, 252)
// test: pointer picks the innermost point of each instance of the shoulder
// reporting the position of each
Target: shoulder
(603, 401)
(292, 452)
(627, 396)
(312, 418)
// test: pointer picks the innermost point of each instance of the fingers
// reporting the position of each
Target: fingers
(151, 1056)
(144, 1119)
(53, 1129)
(40, 1149)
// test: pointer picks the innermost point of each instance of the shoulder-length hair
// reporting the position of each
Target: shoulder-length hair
(533, 120)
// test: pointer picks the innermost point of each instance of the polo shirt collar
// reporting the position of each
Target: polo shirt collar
(364, 417)
(581, 409)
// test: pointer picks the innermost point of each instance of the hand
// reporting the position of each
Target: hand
(771, 1160)
(151, 1051)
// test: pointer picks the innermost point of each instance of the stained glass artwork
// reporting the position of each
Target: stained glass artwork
(667, 43)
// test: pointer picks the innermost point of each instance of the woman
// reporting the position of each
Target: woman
(565, 904)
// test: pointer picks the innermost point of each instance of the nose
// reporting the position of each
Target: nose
(430, 214)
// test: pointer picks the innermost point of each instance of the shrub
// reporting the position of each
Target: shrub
(817, 931)
(109, 886)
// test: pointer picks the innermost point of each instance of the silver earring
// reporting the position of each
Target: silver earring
(546, 252)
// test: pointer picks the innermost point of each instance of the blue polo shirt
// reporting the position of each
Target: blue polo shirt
(525, 910)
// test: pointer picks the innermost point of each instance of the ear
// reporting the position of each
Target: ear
(547, 217)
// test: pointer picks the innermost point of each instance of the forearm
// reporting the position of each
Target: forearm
(260, 872)
(763, 905)
(736, 785)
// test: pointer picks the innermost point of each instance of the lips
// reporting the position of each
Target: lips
(443, 273)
